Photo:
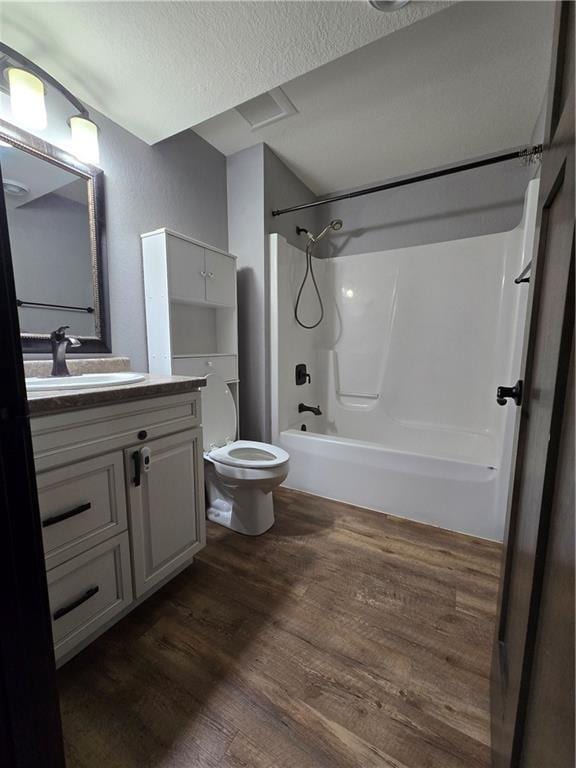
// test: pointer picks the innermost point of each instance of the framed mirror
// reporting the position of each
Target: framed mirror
(55, 209)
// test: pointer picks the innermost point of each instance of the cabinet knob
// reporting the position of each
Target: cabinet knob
(142, 435)
(202, 273)
(211, 275)
(209, 363)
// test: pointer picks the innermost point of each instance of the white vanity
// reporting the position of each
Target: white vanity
(121, 491)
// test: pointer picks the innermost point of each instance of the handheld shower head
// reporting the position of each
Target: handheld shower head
(335, 224)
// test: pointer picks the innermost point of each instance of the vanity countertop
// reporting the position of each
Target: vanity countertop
(50, 401)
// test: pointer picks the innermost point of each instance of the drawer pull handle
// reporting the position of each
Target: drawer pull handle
(137, 468)
(66, 515)
(75, 603)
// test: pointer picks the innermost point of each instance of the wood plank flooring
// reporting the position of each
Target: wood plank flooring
(340, 639)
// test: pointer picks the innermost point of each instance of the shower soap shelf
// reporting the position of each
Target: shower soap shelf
(359, 394)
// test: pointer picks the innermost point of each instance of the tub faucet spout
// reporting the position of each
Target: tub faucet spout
(304, 408)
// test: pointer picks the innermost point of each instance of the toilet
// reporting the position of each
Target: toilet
(240, 475)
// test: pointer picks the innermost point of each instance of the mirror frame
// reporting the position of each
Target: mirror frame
(94, 176)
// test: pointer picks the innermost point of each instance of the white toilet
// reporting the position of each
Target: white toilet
(240, 475)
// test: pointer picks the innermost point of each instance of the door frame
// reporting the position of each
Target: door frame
(30, 726)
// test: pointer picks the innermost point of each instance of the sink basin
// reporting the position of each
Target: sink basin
(83, 381)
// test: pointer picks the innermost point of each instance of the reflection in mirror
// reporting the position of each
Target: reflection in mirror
(49, 225)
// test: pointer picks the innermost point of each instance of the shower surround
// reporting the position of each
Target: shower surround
(404, 367)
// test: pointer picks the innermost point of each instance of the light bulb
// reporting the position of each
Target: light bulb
(27, 99)
(84, 135)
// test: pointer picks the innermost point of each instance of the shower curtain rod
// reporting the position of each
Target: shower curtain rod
(525, 153)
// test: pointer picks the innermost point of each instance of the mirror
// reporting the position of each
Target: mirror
(54, 210)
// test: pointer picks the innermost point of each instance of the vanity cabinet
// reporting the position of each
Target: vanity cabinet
(165, 479)
(121, 496)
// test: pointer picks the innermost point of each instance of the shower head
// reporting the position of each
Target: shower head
(335, 224)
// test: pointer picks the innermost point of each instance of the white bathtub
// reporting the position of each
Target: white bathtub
(458, 495)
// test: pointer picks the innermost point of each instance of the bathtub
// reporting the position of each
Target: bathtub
(449, 493)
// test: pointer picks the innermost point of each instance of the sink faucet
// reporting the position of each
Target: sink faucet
(303, 408)
(60, 341)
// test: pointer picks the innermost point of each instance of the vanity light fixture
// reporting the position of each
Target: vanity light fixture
(84, 134)
(27, 83)
(27, 102)
(388, 5)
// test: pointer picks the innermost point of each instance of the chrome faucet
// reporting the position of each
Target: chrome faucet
(303, 408)
(59, 341)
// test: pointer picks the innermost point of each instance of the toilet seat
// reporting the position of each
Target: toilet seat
(219, 428)
(250, 454)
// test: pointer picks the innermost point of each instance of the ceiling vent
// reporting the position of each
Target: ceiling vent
(267, 108)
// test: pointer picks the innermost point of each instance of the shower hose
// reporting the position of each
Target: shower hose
(309, 271)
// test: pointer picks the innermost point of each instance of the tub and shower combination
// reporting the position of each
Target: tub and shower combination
(404, 368)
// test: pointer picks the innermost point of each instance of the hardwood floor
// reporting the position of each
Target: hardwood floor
(342, 638)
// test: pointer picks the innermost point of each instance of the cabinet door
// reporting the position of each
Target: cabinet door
(166, 506)
(186, 270)
(220, 279)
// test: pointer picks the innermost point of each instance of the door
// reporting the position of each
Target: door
(30, 730)
(542, 416)
(165, 506)
(186, 270)
(550, 708)
(220, 278)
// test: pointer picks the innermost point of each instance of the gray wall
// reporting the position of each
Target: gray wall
(246, 241)
(258, 181)
(283, 189)
(180, 184)
(466, 204)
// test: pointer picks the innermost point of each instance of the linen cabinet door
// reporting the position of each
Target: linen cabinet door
(165, 506)
(186, 270)
(220, 279)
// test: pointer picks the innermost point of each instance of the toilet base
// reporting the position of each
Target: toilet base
(249, 511)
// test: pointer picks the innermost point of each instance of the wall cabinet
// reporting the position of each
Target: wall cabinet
(121, 492)
(191, 308)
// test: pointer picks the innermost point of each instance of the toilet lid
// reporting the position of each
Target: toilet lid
(218, 413)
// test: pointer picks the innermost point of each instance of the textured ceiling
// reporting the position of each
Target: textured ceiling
(158, 68)
(462, 83)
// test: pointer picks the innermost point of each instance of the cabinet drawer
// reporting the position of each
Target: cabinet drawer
(87, 591)
(81, 505)
(225, 366)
